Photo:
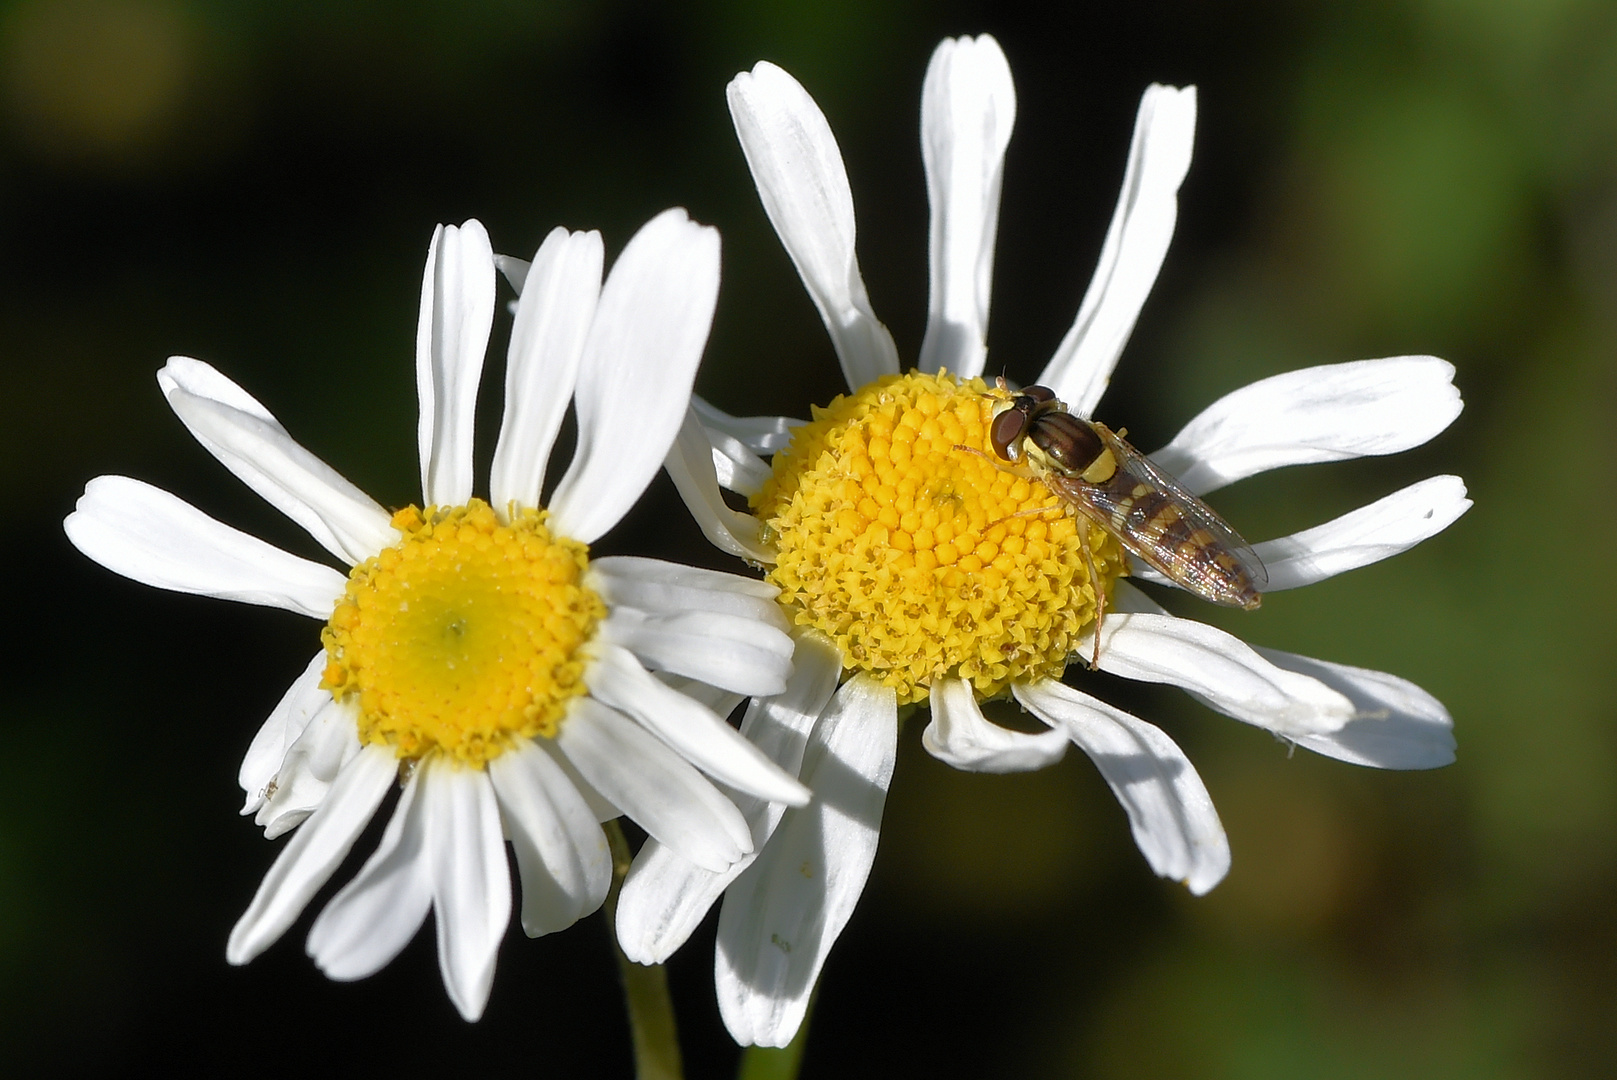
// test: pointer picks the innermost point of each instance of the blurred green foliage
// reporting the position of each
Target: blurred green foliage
(255, 183)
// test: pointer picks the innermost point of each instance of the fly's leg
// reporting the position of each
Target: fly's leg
(1022, 473)
(1014, 470)
(1037, 511)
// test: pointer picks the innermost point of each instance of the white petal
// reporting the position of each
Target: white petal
(1327, 413)
(1169, 810)
(782, 916)
(1397, 725)
(690, 466)
(457, 312)
(561, 851)
(722, 702)
(312, 764)
(780, 725)
(602, 807)
(1127, 599)
(616, 679)
(804, 188)
(729, 651)
(653, 785)
(514, 270)
(1135, 245)
(159, 539)
(547, 341)
(1222, 671)
(280, 730)
(655, 587)
(634, 382)
(737, 468)
(760, 434)
(1367, 535)
(968, 106)
(375, 915)
(961, 736)
(203, 380)
(314, 853)
(658, 586)
(471, 884)
(249, 442)
(665, 894)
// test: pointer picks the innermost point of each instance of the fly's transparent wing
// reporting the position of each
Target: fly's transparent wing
(1170, 529)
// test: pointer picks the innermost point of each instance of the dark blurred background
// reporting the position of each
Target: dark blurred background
(255, 183)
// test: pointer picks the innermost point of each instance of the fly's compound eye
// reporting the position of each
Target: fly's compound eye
(1039, 394)
(1007, 430)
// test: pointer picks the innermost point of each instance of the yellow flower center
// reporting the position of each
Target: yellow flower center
(922, 560)
(464, 636)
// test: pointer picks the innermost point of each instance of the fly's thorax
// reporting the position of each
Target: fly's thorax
(901, 537)
(465, 636)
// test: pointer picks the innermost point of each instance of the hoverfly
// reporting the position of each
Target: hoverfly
(1101, 478)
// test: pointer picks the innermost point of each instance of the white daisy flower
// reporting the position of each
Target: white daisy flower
(917, 568)
(473, 650)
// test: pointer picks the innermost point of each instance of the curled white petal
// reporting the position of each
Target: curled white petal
(760, 434)
(1328, 413)
(968, 107)
(471, 884)
(693, 731)
(804, 188)
(783, 914)
(279, 731)
(653, 785)
(690, 466)
(634, 381)
(736, 467)
(1222, 671)
(561, 852)
(547, 341)
(159, 539)
(1395, 725)
(961, 736)
(313, 854)
(1169, 810)
(665, 894)
(311, 766)
(514, 270)
(1132, 253)
(248, 441)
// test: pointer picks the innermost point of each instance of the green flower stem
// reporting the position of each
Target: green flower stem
(769, 1063)
(645, 989)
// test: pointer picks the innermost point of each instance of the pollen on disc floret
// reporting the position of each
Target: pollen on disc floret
(466, 635)
(920, 559)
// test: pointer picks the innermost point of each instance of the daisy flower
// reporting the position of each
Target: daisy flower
(917, 569)
(474, 654)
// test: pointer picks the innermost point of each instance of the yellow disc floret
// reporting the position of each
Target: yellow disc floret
(465, 636)
(917, 552)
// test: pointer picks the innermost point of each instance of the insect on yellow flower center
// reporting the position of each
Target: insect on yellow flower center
(465, 636)
(922, 560)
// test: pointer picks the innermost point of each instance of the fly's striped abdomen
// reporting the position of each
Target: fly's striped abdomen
(1173, 531)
